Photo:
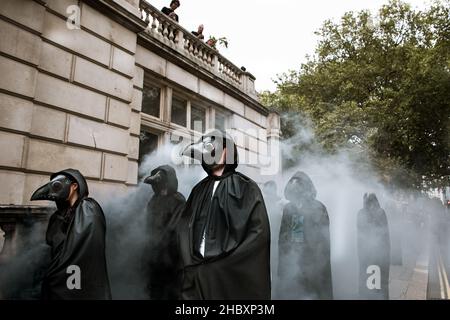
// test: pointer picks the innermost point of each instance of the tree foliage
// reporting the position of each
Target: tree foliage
(380, 83)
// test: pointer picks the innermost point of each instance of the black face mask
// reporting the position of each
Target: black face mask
(212, 150)
(158, 181)
(57, 190)
(208, 150)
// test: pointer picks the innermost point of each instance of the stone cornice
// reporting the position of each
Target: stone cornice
(118, 13)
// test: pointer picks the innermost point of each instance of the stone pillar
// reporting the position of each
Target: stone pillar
(273, 142)
(131, 6)
(248, 84)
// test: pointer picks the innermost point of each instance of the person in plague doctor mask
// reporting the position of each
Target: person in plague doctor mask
(76, 236)
(224, 234)
(161, 259)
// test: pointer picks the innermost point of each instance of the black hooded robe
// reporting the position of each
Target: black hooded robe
(373, 248)
(77, 238)
(236, 262)
(304, 267)
(164, 212)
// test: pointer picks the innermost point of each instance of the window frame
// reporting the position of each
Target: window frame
(154, 82)
(183, 97)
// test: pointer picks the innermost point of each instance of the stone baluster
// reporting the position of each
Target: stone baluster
(236, 76)
(186, 43)
(226, 70)
(171, 34)
(215, 63)
(210, 60)
(165, 31)
(179, 39)
(195, 50)
(191, 47)
(160, 26)
(199, 53)
(153, 26)
(147, 17)
(143, 10)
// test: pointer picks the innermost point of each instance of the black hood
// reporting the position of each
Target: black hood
(300, 187)
(168, 179)
(59, 187)
(371, 201)
(76, 176)
(218, 140)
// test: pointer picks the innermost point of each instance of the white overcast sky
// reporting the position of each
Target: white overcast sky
(268, 37)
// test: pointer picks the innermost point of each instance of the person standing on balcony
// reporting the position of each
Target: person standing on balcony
(171, 10)
(199, 33)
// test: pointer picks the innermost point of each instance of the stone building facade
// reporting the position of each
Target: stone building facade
(97, 84)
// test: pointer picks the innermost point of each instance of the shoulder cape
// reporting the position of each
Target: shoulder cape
(82, 246)
(236, 264)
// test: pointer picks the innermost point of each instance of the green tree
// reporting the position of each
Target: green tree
(379, 83)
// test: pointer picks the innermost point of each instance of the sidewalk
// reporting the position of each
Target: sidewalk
(409, 281)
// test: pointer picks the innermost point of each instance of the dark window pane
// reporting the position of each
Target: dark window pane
(220, 121)
(179, 111)
(148, 142)
(151, 98)
(198, 119)
(175, 139)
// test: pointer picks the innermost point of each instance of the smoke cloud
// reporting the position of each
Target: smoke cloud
(341, 180)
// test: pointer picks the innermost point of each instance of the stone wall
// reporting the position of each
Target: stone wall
(71, 97)
(65, 98)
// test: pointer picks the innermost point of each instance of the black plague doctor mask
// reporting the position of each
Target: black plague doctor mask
(157, 180)
(208, 150)
(57, 190)
(163, 180)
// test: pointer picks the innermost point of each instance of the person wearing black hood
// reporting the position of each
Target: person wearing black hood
(373, 250)
(163, 213)
(224, 234)
(76, 235)
(304, 267)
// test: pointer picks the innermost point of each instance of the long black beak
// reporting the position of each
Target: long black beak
(42, 193)
(194, 151)
(157, 177)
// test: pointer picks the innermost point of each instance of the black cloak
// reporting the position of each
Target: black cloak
(163, 213)
(77, 237)
(304, 267)
(236, 260)
(373, 248)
